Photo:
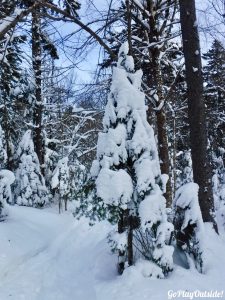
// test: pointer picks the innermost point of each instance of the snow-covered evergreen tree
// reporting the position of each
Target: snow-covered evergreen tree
(30, 187)
(51, 160)
(214, 73)
(60, 181)
(11, 80)
(188, 223)
(129, 185)
(67, 181)
(184, 169)
(6, 180)
(77, 178)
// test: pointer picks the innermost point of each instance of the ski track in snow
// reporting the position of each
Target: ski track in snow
(45, 256)
(60, 268)
(37, 272)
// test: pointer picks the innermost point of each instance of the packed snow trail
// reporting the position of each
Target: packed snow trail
(51, 256)
(46, 256)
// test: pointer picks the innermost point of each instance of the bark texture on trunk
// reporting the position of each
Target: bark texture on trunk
(130, 254)
(196, 107)
(161, 123)
(36, 57)
(164, 153)
(122, 254)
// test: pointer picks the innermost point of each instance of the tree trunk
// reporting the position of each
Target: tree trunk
(164, 153)
(36, 57)
(174, 154)
(196, 107)
(60, 204)
(161, 125)
(130, 241)
(65, 204)
(122, 254)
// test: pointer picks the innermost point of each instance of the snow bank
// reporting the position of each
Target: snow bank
(44, 256)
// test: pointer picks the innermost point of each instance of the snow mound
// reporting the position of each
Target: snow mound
(46, 256)
(148, 269)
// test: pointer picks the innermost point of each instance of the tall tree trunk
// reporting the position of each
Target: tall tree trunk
(196, 107)
(174, 154)
(164, 153)
(36, 57)
(161, 124)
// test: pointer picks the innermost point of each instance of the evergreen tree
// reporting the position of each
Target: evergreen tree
(30, 187)
(11, 81)
(51, 159)
(60, 181)
(68, 181)
(77, 178)
(214, 74)
(127, 172)
(184, 168)
(153, 35)
(6, 180)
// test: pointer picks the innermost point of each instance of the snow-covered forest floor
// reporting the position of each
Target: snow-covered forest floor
(46, 256)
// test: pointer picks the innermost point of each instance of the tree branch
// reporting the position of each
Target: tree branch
(16, 18)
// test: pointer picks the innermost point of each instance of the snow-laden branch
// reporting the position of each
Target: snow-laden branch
(11, 21)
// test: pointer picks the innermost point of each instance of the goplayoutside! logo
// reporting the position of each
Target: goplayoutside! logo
(194, 294)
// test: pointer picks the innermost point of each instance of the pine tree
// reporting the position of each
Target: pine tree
(6, 180)
(30, 187)
(10, 81)
(129, 185)
(77, 179)
(61, 182)
(51, 159)
(148, 28)
(214, 74)
(184, 168)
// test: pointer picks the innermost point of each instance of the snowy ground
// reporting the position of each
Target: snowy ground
(44, 256)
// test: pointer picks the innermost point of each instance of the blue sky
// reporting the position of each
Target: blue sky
(209, 27)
